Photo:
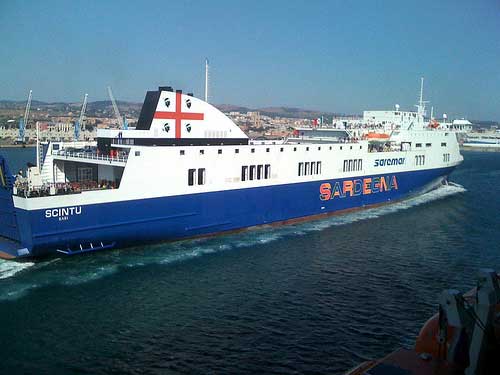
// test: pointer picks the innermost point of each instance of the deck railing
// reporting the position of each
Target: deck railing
(120, 157)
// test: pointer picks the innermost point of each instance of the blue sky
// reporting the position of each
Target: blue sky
(341, 56)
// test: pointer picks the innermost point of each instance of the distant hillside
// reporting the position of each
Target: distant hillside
(104, 108)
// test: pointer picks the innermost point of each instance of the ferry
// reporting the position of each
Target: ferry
(489, 140)
(187, 170)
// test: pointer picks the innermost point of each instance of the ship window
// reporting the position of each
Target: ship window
(267, 149)
(318, 167)
(84, 174)
(137, 153)
(281, 149)
(237, 151)
(202, 152)
(307, 148)
(252, 172)
(306, 172)
(345, 166)
(301, 169)
(319, 148)
(330, 147)
(418, 144)
(443, 144)
(355, 165)
(252, 150)
(295, 149)
(181, 152)
(349, 168)
(219, 151)
(360, 147)
(341, 147)
(201, 176)
(313, 167)
(351, 147)
(267, 171)
(244, 173)
(360, 164)
(191, 176)
(428, 145)
(259, 171)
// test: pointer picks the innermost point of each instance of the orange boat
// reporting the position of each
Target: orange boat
(377, 136)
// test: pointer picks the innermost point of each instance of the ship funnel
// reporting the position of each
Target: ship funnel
(165, 88)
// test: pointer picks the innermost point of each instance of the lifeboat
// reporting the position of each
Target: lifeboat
(434, 124)
(377, 136)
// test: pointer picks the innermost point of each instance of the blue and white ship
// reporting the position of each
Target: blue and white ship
(187, 170)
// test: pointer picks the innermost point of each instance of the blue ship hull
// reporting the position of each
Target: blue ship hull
(125, 223)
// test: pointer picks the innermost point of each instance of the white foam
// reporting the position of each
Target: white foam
(78, 270)
(9, 268)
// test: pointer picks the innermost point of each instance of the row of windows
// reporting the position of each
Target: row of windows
(252, 150)
(309, 168)
(196, 177)
(446, 157)
(255, 172)
(426, 145)
(420, 160)
(353, 165)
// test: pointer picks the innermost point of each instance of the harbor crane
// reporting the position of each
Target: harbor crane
(23, 121)
(79, 123)
(122, 121)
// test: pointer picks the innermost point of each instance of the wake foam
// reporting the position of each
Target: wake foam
(10, 268)
(82, 269)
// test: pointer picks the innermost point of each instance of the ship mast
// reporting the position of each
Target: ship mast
(206, 80)
(421, 102)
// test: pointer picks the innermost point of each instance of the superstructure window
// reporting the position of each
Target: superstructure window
(219, 151)
(352, 165)
(255, 172)
(191, 176)
(259, 171)
(281, 149)
(309, 168)
(201, 176)
(428, 144)
(252, 172)
(267, 149)
(267, 171)
(418, 144)
(182, 152)
(236, 150)
(443, 144)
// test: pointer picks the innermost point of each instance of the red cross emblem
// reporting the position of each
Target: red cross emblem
(178, 115)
